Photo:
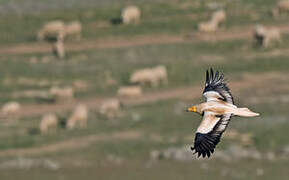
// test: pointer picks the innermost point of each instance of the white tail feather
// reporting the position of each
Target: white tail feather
(245, 112)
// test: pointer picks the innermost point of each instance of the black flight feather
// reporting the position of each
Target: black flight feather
(215, 82)
(206, 143)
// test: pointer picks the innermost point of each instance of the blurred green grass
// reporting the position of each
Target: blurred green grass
(160, 17)
(186, 64)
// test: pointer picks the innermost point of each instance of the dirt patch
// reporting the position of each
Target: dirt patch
(75, 143)
(272, 53)
(28, 48)
(211, 59)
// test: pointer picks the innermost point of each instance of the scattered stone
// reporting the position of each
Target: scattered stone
(284, 152)
(178, 154)
(135, 117)
(259, 172)
(115, 159)
(234, 152)
(270, 156)
(25, 163)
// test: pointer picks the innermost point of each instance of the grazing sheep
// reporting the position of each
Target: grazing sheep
(152, 76)
(160, 72)
(79, 116)
(48, 123)
(265, 36)
(62, 93)
(10, 108)
(219, 16)
(74, 28)
(52, 30)
(213, 24)
(210, 26)
(259, 34)
(282, 6)
(131, 14)
(110, 108)
(129, 91)
(142, 76)
(58, 49)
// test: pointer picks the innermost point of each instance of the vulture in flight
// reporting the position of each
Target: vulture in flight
(216, 112)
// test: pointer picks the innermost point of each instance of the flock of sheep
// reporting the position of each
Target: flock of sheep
(263, 36)
(50, 122)
(109, 108)
(213, 24)
(57, 31)
(267, 36)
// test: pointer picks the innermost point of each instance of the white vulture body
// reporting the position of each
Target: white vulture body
(216, 111)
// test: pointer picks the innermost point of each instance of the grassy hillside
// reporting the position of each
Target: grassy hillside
(121, 148)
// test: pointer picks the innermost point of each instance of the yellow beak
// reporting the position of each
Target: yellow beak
(192, 109)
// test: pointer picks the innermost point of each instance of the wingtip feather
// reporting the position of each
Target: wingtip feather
(216, 76)
(212, 75)
(207, 77)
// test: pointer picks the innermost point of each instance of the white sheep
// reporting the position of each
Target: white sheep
(153, 76)
(110, 108)
(52, 29)
(58, 49)
(142, 77)
(48, 123)
(10, 108)
(129, 91)
(210, 26)
(266, 36)
(131, 14)
(160, 72)
(73, 28)
(80, 116)
(62, 93)
(219, 16)
(282, 6)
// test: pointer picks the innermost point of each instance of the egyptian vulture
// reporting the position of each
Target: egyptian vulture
(216, 111)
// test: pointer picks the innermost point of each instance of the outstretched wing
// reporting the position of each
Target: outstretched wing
(209, 133)
(216, 88)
